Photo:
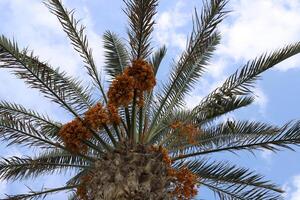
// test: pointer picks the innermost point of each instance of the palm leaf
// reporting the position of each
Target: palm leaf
(140, 14)
(17, 131)
(16, 168)
(40, 122)
(157, 58)
(228, 192)
(172, 97)
(206, 116)
(222, 106)
(279, 138)
(78, 39)
(224, 133)
(164, 133)
(115, 53)
(145, 112)
(35, 195)
(242, 81)
(240, 181)
(193, 61)
(53, 84)
(44, 78)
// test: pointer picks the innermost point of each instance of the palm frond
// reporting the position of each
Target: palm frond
(217, 109)
(163, 134)
(223, 134)
(16, 168)
(173, 94)
(21, 112)
(239, 181)
(51, 83)
(227, 192)
(55, 85)
(40, 122)
(274, 140)
(242, 81)
(157, 58)
(78, 39)
(76, 179)
(193, 61)
(140, 14)
(35, 195)
(222, 106)
(115, 53)
(145, 112)
(18, 131)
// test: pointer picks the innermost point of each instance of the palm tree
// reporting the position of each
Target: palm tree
(134, 142)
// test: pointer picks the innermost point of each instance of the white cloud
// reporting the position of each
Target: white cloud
(267, 155)
(205, 87)
(192, 101)
(261, 100)
(169, 24)
(31, 23)
(293, 189)
(254, 27)
(217, 67)
(258, 26)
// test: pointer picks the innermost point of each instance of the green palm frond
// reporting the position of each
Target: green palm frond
(283, 137)
(193, 61)
(226, 133)
(35, 195)
(222, 106)
(140, 14)
(163, 129)
(16, 168)
(22, 132)
(242, 81)
(157, 58)
(239, 181)
(21, 112)
(216, 110)
(141, 21)
(78, 39)
(53, 84)
(172, 97)
(145, 112)
(227, 192)
(76, 179)
(62, 156)
(115, 53)
(41, 122)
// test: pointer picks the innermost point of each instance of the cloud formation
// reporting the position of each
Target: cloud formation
(258, 26)
(253, 27)
(169, 24)
(293, 189)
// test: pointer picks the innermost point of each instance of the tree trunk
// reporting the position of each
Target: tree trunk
(135, 173)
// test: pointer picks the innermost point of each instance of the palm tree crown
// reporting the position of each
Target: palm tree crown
(136, 141)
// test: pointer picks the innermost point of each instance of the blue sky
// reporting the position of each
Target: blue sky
(254, 26)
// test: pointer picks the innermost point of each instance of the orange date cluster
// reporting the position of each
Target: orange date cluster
(185, 180)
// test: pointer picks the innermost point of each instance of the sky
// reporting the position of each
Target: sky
(253, 27)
